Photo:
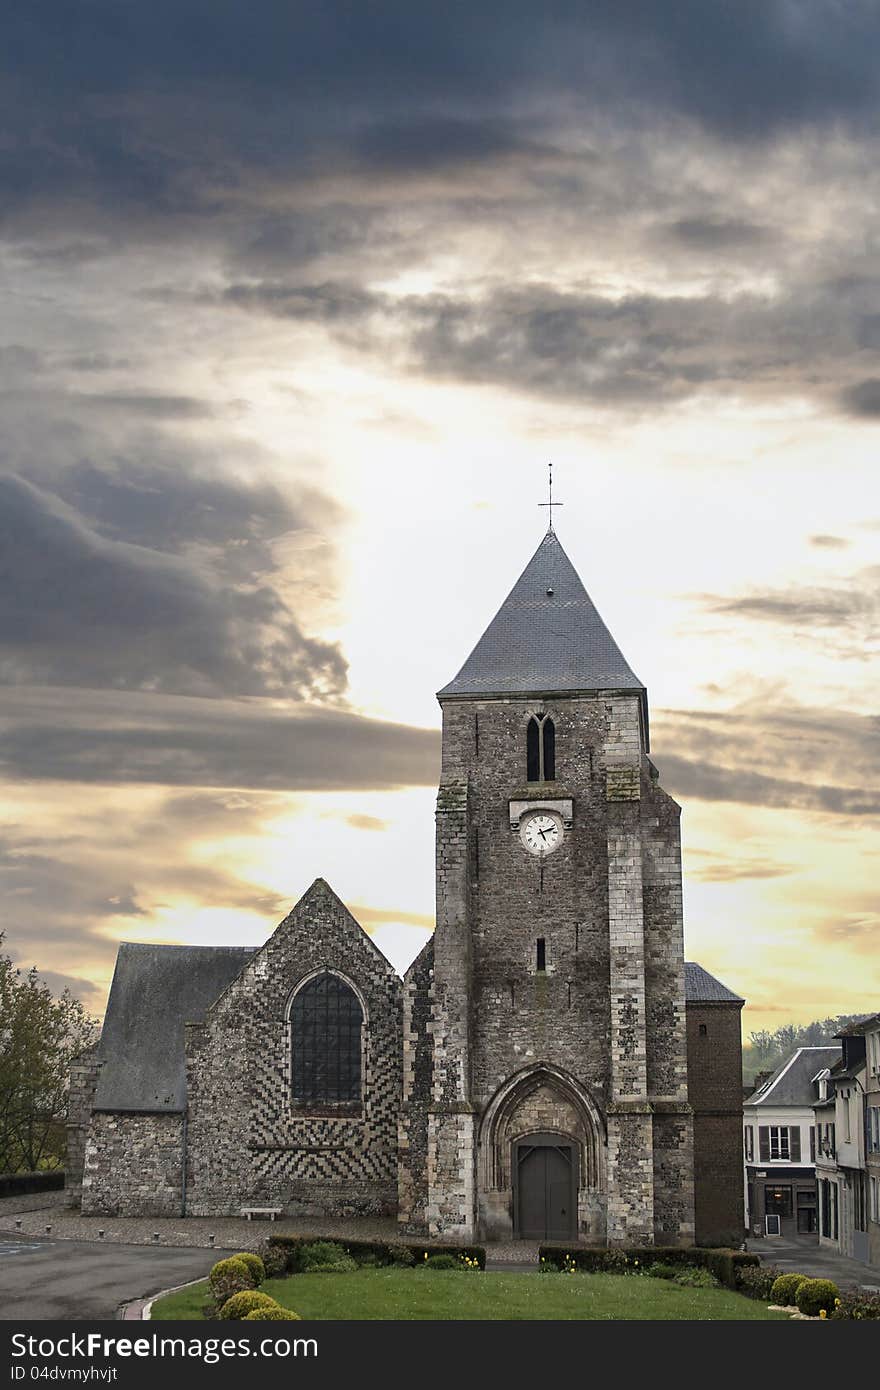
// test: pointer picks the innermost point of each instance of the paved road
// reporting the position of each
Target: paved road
(73, 1279)
(809, 1257)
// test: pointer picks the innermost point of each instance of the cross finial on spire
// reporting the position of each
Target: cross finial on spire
(550, 504)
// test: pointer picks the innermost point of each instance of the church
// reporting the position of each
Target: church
(549, 1067)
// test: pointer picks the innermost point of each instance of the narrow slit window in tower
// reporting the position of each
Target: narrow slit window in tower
(541, 955)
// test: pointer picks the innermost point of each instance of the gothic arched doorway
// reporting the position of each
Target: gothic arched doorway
(562, 1187)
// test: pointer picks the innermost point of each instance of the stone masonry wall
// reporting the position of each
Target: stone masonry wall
(412, 1129)
(247, 1145)
(451, 1206)
(84, 1073)
(665, 1014)
(133, 1165)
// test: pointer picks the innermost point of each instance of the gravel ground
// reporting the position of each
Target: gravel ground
(37, 1212)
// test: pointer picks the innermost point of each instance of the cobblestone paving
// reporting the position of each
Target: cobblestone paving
(26, 1216)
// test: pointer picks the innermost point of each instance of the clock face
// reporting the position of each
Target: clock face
(541, 832)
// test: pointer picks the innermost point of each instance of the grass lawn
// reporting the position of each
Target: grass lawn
(401, 1295)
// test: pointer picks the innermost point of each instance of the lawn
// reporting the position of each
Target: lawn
(401, 1295)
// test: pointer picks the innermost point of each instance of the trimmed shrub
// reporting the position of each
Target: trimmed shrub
(441, 1262)
(856, 1305)
(256, 1268)
(401, 1253)
(276, 1314)
(320, 1253)
(20, 1184)
(756, 1281)
(237, 1307)
(233, 1267)
(401, 1256)
(695, 1279)
(784, 1290)
(725, 1264)
(816, 1295)
(274, 1259)
(344, 1265)
(660, 1271)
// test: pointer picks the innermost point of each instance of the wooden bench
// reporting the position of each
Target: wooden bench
(271, 1212)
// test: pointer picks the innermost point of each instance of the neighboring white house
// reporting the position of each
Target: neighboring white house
(847, 1118)
(779, 1145)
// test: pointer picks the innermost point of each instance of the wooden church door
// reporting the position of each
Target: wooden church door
(546, 1197)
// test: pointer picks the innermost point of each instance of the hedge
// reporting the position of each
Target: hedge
(20, 1184)
(379, 1251)
(618, 1259)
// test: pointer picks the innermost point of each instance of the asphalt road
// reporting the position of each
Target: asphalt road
(81, 1280)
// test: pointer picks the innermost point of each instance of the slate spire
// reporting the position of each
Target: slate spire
(546, 638)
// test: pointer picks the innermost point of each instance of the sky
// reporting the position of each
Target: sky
(298, 302)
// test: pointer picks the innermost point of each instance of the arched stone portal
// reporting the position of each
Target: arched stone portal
(541, 1107)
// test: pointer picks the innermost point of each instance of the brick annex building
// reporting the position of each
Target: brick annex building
(548, 1067)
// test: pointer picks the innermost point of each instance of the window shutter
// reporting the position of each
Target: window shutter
(812, 1143)
(794, 1144)
(764, 1143)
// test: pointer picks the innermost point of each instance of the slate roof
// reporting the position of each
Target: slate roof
(155, 990)
(702, 988)
(543, 642)
(792, 1081)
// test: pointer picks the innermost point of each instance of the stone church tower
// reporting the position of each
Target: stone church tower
(545, 1084)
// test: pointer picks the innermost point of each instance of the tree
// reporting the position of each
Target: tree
(40, 1035)
(765, 1050)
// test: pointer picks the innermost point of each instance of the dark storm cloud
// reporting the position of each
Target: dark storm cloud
(132, 404)
(94, 736)
(783, 756)
(79, 609)
(706, 781)
(863, 399)
(630, 351)
(165, 111)
(849, 611)
(716, 234)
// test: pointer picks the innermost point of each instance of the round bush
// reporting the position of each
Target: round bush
(240, 1304)
(276, 1314)
(234, 1267)
(785, 1287)
(816, 1294)
(661, 1271)
(255, 1266)
(440, 1262)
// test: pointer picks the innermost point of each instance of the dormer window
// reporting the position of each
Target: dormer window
(541, 749)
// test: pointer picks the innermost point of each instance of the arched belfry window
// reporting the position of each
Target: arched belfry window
(326, 1025)
(541, 749)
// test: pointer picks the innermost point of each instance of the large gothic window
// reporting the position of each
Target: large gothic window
(541, 749)
(326, 1022)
